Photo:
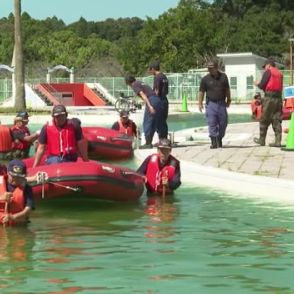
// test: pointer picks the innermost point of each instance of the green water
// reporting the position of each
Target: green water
(198, 242)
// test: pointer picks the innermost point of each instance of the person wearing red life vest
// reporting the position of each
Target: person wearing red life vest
(62, 139)
(21, 137)
(272, 104)
(125, 125)
(16, 196)
(161, 169)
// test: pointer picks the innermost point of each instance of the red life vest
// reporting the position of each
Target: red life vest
(17, 202)
(128, 130)
(63, 141)
(21, 144)
(256, 109)
(154, 175)
(275, 83)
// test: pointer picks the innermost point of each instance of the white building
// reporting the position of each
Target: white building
(242, 70)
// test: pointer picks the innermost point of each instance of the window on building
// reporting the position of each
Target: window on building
(233, 82)
(249, 83)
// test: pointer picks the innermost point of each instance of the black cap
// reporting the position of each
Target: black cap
(17, 168)
(155, 65)
(164, 143)
(129, 79)
(212, 64)
(124, 113)
(269, 61)
(58, 110)
(23, 114)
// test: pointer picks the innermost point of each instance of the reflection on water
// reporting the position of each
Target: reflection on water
(161, 213)
(198, 242)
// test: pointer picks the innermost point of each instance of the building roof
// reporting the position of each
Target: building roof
(245, 54)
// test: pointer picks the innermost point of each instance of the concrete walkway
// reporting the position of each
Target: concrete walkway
(239, 153)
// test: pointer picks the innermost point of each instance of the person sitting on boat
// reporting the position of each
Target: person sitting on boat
(61, 139)
(125, 125)
(21, 137)
(16, 196)
(161, 170)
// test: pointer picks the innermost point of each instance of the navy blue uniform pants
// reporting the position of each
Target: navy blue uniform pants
(163, 128)
(217, 118)
(153, 122)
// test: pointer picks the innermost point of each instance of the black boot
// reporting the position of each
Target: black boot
(213, 143)
(219, 142)
(147, 145)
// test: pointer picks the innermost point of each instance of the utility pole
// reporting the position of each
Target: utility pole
(291, 40)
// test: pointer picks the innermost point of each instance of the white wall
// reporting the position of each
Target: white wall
(241, 72)
(33, 101)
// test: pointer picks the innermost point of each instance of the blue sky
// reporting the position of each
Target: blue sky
(96, 10)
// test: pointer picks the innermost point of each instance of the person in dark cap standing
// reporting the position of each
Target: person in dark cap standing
(21, 137)
(125, 125)
(16, 196)
(218, 97)
(272, 84)
(63, 139)
(161, 170)
(153, 119)
(160, 87)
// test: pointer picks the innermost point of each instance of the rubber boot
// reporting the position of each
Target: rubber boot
(278, 140)
(213, 142)
(262, 135)
(219, 142)
(259, 141)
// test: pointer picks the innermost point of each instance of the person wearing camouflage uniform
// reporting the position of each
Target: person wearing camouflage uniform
(272, 84)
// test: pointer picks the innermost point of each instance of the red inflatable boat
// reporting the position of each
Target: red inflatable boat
(107, 143)
(100, 180)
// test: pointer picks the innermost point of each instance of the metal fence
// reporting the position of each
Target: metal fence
(180, 84)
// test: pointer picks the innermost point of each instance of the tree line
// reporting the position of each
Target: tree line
(181, 38)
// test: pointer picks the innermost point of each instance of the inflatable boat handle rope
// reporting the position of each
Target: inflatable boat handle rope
(42, 177)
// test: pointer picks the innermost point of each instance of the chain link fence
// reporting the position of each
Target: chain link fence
(180, 85)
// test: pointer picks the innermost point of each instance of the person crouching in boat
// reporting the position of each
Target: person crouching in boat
(61, 139)
(161, 170)
(16, 196)
(125, 125)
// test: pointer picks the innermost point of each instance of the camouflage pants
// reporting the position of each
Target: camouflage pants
(271, 114)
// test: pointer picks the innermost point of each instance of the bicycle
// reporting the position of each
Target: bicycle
(127, 103)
